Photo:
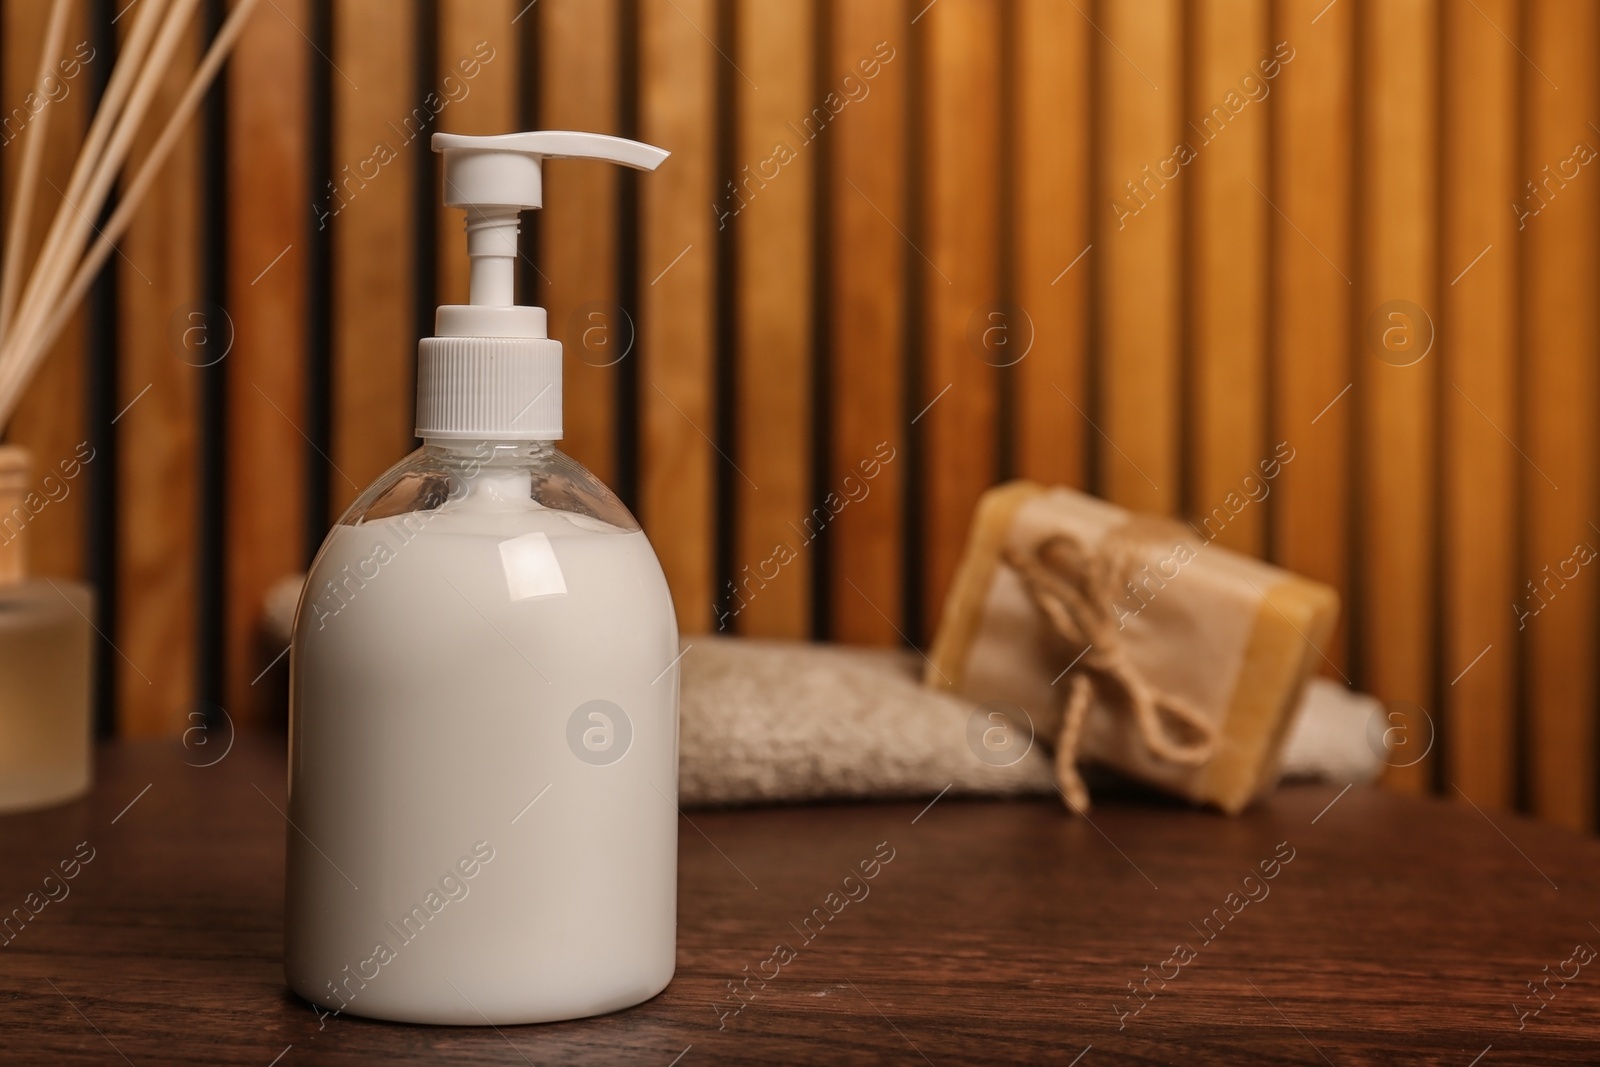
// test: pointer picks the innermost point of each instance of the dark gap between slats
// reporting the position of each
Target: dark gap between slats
(626, 398)
(100, 340)
(1005, 430)
(1099, 192)
(530, 290)
(727, 485)
(1522, 743)
(1355, 453)
(425, 199)
(1438, 774)
(1189, 457)
(821, 332)
(530, 287)
(211, 586)
(319, 280)
(1271, 423)
(914, 548)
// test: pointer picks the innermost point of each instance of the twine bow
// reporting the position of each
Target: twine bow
(1076, 590)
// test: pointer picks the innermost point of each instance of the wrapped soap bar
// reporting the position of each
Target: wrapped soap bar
(1130, 641)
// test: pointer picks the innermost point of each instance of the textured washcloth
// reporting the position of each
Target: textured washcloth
(766, 721)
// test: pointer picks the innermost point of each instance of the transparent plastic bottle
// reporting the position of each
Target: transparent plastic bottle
(483, 748)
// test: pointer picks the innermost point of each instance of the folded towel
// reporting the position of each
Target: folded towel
(765, 721)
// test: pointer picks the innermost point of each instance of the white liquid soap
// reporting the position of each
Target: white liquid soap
(484, 694)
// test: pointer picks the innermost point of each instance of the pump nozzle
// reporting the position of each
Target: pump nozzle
(495, 178)
(486, 354)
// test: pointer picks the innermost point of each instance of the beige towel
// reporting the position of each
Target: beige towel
(765, 721)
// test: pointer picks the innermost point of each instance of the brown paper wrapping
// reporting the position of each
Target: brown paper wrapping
(1235, 637)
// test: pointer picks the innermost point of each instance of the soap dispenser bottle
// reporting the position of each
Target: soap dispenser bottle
(483, 726)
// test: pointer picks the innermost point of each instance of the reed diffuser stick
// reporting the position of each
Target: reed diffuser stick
(46, 275)
(148, 171)
(67, 263)
(68, 243)
(32, 162)
(100, 127)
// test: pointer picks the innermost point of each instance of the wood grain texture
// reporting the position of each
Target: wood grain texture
(579, 89)
(867, 302)
(777, 130)
(376, 118)
(1402, 930)
(960, 281)
(269, 218)
(677, 269)
(164, 337)
(1138, 226)
(1227, 272)
(50, 418)
(1478, 347)
(1560, 394)
(1050, 239)
(478, 58)
(1397, 404)
(1312, 296)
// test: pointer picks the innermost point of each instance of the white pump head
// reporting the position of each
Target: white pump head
(492, 373)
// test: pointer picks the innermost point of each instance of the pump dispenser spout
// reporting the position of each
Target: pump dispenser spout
(485, 355)
(495, 179)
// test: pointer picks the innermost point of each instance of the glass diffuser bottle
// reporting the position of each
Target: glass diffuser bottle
(45, 660)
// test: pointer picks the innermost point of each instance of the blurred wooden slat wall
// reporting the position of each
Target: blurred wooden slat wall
(1050, 239)
(269, 201)
(1397, 238)
(773, 246)
(1226, 267)
(1478, 509)
(1561, 391)
(679, 74)
(958, 284)
(579, 88)
(867, 260)
(1310, 301)
(1137, 410)
(371, 196)
(948, 243)
(162, 352)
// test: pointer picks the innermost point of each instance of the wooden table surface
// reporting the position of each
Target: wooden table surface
(1400, 931)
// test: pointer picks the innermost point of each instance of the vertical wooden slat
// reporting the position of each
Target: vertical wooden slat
(477, 71)
(1227, 271)
(866, 275)
(158, 283)
(1559, 416)
(677, 260)
(775, 148)
(1050, 232)
(50, 418)
(1478, 339)
(579, 68)
(960, 278)
(1398, 533)
(375, 133)
(269, 215)
(1139, 212)
(1312, 268)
